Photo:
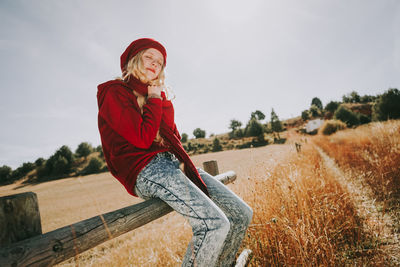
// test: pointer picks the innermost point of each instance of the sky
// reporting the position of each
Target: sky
(225, 59)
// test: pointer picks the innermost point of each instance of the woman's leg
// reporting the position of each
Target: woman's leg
(163, 179)
(237, 211)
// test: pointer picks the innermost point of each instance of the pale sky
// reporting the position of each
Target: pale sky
(225, 60)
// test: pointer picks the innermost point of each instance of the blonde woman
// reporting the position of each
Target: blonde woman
(142, 148)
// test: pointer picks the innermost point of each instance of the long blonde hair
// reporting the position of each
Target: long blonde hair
(136, 68)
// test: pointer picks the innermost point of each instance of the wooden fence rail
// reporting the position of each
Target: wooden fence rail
(63, 243)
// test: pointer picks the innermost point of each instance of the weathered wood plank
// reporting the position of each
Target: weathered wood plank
(56, 246)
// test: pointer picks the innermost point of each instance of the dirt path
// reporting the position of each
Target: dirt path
(375, 221)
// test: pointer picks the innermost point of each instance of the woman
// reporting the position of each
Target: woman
(143, 151)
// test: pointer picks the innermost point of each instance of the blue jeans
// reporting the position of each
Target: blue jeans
(218, 224)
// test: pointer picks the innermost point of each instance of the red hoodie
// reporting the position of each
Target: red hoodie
(126, 134)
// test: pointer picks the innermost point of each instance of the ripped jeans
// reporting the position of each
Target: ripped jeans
(218, 224)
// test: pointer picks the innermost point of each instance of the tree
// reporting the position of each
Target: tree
(5, 174)
(352, 97)
(236, 131)
(258, 115)
(387, 106)
(368, 98)
(39, 162)
(59, 164)
(276, 124)
(254, 128)
(184, 138)
(317, 102)
(235, 124)
(216, 145)
(84, 149)
(332, 106)
(347, 116)
(199, 133)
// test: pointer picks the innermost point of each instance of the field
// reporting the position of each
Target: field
(335, 202)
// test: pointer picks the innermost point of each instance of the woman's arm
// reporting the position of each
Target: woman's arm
(123, 116)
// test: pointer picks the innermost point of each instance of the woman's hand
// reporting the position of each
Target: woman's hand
(155, 90)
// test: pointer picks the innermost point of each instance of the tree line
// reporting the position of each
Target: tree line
(63, 163)
(354, 109)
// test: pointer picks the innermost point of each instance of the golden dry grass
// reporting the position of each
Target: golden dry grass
(372, 152)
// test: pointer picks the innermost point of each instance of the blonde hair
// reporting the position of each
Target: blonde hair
(135, 67)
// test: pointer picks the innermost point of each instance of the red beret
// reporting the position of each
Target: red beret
(137, 46)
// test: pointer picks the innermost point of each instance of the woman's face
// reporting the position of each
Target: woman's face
(153, 61)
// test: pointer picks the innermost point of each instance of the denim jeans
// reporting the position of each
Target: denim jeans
(218, 224)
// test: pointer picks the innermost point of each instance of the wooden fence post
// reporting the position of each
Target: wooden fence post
(19, 218)
(211, 167)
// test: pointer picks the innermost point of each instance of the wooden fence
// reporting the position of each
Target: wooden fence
(63, 243)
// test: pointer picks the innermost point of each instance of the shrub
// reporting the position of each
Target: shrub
(216, 145)
(387, 106)
(305, 115)
(331, 126)
(363, 118)
(346, 115)
(315, 111)
(94, 166)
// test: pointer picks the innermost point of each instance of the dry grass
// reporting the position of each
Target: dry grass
(371, 152)
(304, 217)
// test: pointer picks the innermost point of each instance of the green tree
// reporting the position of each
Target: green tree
(235, 124)
(59, 164)
(184, 138)
(5, 174)
(317, 102)
(258, 115)
(236, 131)
(276, 124)
(347, 116)
(199, 133)
(368, 99)
(332, 106)
(254, 128)
(216, 145)
(352, 97)
(22, 170)
(84, 149)
(387, 106)
(39, 162)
